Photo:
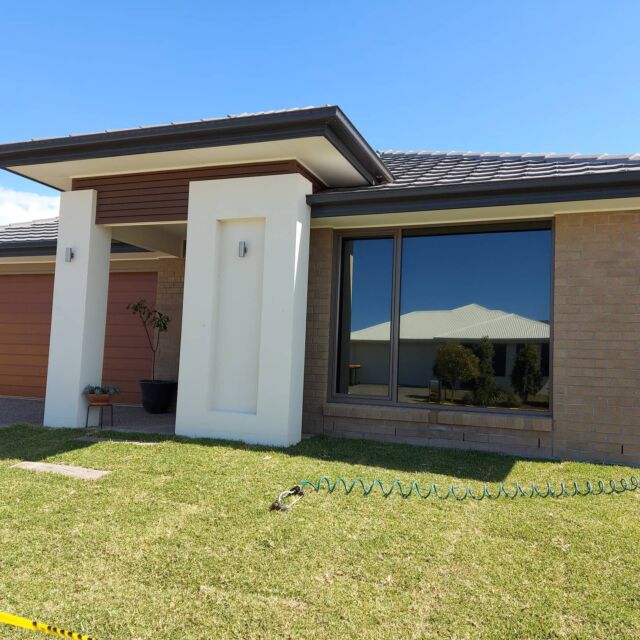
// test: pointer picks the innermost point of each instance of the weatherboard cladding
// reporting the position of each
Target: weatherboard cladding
(161, 196)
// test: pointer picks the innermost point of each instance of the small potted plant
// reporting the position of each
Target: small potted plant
(99, 394)
(157, 395)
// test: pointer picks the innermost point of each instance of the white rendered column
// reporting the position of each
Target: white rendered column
(244, 317)
(76, 345)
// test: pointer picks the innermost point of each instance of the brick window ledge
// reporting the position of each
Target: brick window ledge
(516, 420)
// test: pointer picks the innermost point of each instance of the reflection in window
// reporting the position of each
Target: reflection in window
(468, 303)
(364, 331)
(473, 326)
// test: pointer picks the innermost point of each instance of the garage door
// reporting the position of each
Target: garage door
(25, 324)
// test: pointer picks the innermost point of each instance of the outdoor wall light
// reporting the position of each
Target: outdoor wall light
(242, 249)
(69, 254)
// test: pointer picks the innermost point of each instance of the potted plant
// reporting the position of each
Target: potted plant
(99, 394)
(157, 395)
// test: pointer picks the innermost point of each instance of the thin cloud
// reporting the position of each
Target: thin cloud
(22, 206)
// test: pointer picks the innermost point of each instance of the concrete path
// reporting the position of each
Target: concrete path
(139, 443)
(62, 469)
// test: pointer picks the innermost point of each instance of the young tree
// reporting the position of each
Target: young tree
(454, 365)
(485, 391)
(526, 376)
(155, 323)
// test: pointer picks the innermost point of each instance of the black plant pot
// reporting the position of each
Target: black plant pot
(157, 395)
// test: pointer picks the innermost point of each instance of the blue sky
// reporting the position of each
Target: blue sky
(495, 75)
(509, 271)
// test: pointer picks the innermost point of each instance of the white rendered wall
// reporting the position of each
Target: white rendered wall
(238, 308)
(244, 319)
(76, 345)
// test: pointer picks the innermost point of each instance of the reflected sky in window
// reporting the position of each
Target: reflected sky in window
(510, 271)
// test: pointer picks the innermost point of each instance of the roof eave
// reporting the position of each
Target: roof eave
(30, 248)
(496, 193)
(329, 122)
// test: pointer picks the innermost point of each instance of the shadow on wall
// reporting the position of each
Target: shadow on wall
(37, 443)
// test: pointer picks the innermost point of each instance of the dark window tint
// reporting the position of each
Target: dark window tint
(500, 359)
(364, 331)
(458, 289)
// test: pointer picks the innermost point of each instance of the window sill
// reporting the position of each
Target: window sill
(438, 414)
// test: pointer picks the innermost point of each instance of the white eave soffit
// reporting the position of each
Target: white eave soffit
(316, 154)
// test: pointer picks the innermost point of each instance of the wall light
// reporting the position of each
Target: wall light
(69, 254)
(242, 249)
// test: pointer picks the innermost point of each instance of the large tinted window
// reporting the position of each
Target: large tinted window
(472, 326)
(364, 331)
(467, 302)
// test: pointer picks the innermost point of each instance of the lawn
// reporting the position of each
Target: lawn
(179, 542)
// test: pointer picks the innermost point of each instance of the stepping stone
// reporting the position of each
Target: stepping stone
(63, 470)
(139, 443)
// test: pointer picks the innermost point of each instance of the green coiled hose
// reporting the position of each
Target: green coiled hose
(548, 490)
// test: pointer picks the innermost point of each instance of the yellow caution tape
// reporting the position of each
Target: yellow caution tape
(25, 623)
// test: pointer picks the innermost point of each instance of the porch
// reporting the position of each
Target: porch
(126, 418)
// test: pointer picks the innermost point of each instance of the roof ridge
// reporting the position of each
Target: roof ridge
(504, 314)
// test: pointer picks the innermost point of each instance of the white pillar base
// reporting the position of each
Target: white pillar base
(244, 318)
(76, 345)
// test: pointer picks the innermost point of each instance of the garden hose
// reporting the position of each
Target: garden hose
(547, 490)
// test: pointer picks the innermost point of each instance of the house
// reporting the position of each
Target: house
(278, 239)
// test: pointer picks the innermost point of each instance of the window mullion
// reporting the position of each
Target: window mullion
(395, 317)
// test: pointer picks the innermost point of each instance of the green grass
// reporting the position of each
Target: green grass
(178, 542)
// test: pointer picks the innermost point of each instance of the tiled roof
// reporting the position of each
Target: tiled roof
(471, 322)
(28, 232)
(234, 116)
(441, 168)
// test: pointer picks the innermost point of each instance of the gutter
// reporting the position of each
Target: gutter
(30, 248)
(344, 202)
(329, 122)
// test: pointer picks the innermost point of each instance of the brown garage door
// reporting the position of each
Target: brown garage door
(25, 324)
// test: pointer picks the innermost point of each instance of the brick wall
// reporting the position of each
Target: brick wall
(596, 337)
(596, 359)
(169, 301)
(316, 364)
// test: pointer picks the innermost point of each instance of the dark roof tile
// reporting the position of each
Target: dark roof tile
(435, 168)
(34, 231)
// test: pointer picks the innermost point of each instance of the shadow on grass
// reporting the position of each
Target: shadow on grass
(480, 466)
(33, 443)
(26, 442)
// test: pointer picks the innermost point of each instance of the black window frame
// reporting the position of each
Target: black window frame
(397, 234)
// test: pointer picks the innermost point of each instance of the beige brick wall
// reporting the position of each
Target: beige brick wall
(596, 337)
(169, 301)
(316, 364)
(596, 359)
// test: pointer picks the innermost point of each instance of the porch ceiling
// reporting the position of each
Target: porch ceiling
(164, 238)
